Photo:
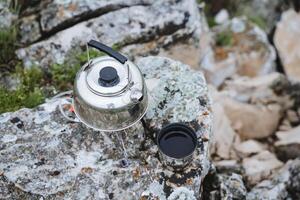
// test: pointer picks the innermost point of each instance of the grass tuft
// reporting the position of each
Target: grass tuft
(27, 94)
(8, 40)
(259, 21)
(224, 39)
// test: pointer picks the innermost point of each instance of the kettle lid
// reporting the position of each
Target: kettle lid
(107, 76)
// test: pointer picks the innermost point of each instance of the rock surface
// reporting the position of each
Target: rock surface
(44, 156)
(232, 187)
(249, 147)
(223, 134)
(224, 186)
(6, 16)
(243, 117)
(258, 90)
(288, 145)
(287, 42)
(260, 166)
(284, 185)
(130, 25)
(259, 100)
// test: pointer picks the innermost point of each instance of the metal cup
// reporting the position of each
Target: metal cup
(177, 144)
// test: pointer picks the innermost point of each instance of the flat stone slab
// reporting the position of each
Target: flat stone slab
(44, 155)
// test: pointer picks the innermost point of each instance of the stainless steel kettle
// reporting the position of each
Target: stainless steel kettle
(109, 91)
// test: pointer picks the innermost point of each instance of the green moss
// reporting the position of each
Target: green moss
(224, 39)
(211, 22)
(28, 93)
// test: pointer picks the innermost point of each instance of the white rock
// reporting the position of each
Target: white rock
(285, 125)
(223, 134)
(222, 16)
(260, 166)
(249, 147)
(256, 89)
(227, 165)
(287, 42)
(252, 121)
(182, 193)
(283, 185)
(238, 25)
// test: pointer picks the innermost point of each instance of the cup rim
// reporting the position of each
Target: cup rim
(184, 128)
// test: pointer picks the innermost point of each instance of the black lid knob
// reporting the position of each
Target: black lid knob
(108, 77)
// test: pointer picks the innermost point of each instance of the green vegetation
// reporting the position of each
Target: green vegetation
(27, 94)
(211, 21)
(259, 21)
(224, 39)
(8, 40)
(15, 6)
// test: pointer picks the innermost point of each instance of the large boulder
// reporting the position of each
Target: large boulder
(53, 16)
(116, 23)
(287, 42)
(42, 155)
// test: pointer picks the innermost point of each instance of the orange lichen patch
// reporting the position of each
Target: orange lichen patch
(189, 181)
(86, 170)
(136, 174)
(206, 112)
(220, 53)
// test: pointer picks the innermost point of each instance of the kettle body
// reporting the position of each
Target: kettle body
(109, 91)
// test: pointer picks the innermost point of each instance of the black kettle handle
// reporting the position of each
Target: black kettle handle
(109, 51)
